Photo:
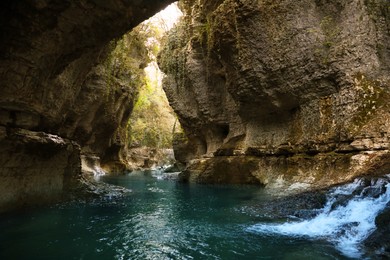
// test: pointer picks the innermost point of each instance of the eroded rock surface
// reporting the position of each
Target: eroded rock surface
(142, 158)
(36, 167)
(52, 75)
(301, 86)
(55, 80)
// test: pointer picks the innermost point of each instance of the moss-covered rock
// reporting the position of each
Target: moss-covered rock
(286, 78)
(222, 170)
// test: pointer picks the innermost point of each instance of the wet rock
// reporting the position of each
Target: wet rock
(223, 170)
(90, 165)
(378, 243)
(304, 205)
(36, 168)
(147, 158)
(174, 168)
(89, 188)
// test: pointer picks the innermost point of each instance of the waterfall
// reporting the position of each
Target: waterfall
(165, 172)
(98, 172)
(346, 220)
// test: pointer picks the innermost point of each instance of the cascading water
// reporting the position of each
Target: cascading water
(346, 220)
(165, 172)
(164, 219)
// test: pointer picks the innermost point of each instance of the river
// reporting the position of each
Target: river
(163, 219)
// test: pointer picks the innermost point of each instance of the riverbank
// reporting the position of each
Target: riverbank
(161, 218)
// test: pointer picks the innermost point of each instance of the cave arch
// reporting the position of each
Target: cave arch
(50, 51)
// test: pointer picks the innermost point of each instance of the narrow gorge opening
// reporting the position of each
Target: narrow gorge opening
(281, 132)
(152, 123)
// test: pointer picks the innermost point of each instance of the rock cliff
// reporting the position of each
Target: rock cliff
(36, 167)
(282, 93)
(58, 94)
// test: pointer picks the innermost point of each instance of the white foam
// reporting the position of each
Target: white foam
(345, 225)
(160, 174)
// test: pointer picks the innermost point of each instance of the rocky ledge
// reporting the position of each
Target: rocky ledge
(61, 90)
(36, 167)
(283, 94)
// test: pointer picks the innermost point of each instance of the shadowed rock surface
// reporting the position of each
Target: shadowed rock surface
(55, 80)
(378, 243)
(36, 167)
(288, 94)
(301, 86)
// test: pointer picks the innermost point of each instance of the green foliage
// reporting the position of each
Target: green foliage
(125, 62)
(205, 35)
(152, 120)
(128, 56)
(173, 58)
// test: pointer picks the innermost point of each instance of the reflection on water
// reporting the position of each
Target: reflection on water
(159, 219)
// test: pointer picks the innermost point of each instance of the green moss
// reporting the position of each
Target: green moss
(125, 62)
(152, 122)
(173, 56)
(276, 27)
(330, 31)
(371, 96)
(205, 36)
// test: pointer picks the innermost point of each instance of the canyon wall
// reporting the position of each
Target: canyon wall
(61, 92)
(288, 94)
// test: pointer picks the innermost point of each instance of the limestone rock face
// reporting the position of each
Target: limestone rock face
(141, 158)
(301, 85)
(48, 59)
(35, 167)
(54, 80)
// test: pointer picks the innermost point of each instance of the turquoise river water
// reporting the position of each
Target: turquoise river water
(158, 219)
